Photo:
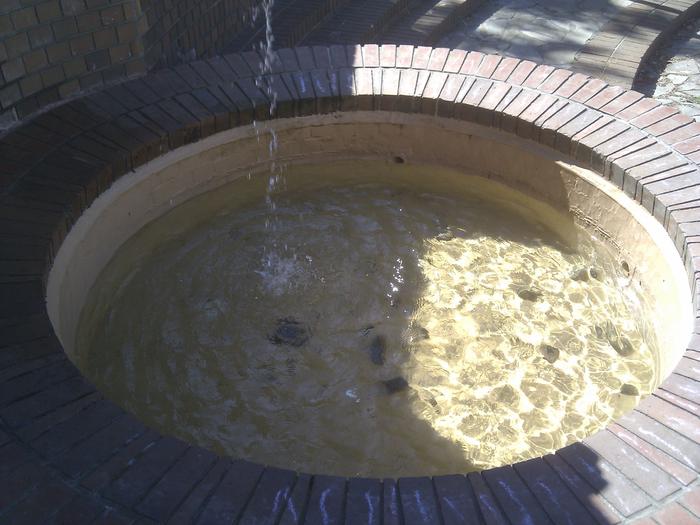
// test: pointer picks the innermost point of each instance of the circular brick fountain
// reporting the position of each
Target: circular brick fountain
(85, 456)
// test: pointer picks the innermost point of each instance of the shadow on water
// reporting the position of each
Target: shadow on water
(410, 434)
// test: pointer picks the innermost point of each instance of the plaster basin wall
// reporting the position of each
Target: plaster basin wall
(154, 188)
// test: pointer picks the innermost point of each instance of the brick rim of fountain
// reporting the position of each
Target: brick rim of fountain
(65, 440)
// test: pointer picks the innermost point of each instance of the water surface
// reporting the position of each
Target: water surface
(381, 320)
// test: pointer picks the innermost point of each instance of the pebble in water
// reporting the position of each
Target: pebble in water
(581, 275)
(377, 349)
(416, 333)
(622, 345)
(290, 332)
(549, 353)
(529, 295)
(396, 384)
(629, 390)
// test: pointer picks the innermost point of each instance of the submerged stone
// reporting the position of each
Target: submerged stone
(622, 345)
(549, 353)
(581, 275)
(529, 295)
(396, 384)
(416, 333)
(447, 235)
(290, 332)
(629, 390)
(377, 349)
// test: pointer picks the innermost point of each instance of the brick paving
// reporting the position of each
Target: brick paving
(69, 455)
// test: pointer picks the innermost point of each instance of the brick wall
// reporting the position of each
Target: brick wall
(179, 30)
(52, 50)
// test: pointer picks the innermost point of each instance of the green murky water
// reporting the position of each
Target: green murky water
(385, 320)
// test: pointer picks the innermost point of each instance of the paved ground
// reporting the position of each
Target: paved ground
(672, 75)
(547, 32)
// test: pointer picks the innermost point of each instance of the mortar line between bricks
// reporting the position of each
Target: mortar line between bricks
(631, 430)
(438, 505)
(677, 189)
(675, 405)
(194, 486)
(52, 474)
(614, 468)
(307, 500)
(249, 498)
(82, 439)
(543, 504)
(8, 404)
(205, 500)
(661, 387)
(659, 505)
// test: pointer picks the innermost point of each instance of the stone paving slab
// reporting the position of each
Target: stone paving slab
(68, 454)
(616, 53)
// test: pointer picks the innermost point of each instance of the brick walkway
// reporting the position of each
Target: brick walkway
(68, 455)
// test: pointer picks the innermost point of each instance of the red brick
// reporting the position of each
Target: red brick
(354, 52)
(522, 72)
(653, 116)
(622, 102)
(387, 55)
(421, 57)
(505, 68)
(606, 96)
(455, 61)
(370, 55)
(638, 109)
(435, 84)
(404, 56)
(488, 66)
(691, 501)
(589, 90)
(407, 82)
(554, 81)
(438, 58)
(674, 514)
(390, 81)
(669, 125)
(572, 85)
(537, 76)
(688, 146)
(494, 96)
(681, 421)
(452, 87)
(471, 63)
(679, 471)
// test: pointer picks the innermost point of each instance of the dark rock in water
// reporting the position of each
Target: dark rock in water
(581, 275)
(377, 349)
(447, 235)
(550, 353)
(290, 332)
(621, 345)
(416, 333)
(629, 390)
(529, 295)
(396, 384)
(599, 331)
